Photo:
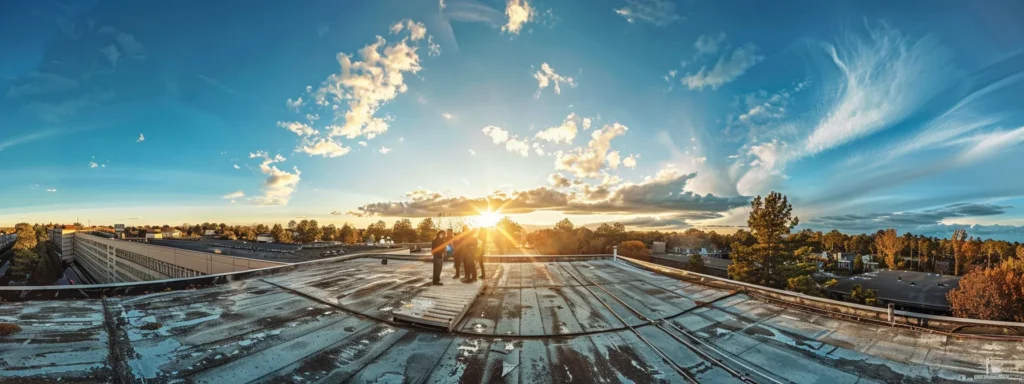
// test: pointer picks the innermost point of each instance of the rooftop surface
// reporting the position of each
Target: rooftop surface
(911, 287)
(536, 322)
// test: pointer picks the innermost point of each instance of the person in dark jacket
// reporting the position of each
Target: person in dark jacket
(452, 240)
(467, 248)
(479, 255)
(437, 249)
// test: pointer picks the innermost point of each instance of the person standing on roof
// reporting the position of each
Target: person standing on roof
(451, 252)
(482, 235)
(437, 249)
(466, 250)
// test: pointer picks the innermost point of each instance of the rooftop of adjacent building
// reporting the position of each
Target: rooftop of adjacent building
(538, 320)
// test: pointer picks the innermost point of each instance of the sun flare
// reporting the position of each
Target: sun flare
(487, 219)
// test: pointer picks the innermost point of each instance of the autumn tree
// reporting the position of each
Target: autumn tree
(990, 294)
(835, 241)
(565, 237)
(696, 263)
(426, 230)
(348, 234)
(403, 232)
(858, 264)
(280, 235)
(803, 284)
(763, 263)
(860, 295)
(27, 239)
(889, 245)
(635, 249)
(377, 231)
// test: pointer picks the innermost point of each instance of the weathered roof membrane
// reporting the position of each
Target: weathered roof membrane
(595, 320)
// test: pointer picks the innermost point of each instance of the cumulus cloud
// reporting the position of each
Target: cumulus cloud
(547, 75)
(519, 12)
(385, 150)
(140, 139)
(366, 84)
(237, 167)
(293, 104)
(515, 145)
(417, 31)
(42, 83)
(728, 68)
(657, 12)
(496, 134)
(557, 180)
(279, 185)
(662, 193)
(629, 162)
(563, 133)
(92, 164)
(325, 146)
(588, 162)
(362, 143)
(472, 152)
(234, 195)
(700, 160)
(297, 128)
(51, 190)
(447, 116)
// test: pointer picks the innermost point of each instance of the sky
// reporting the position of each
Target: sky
(654, 113)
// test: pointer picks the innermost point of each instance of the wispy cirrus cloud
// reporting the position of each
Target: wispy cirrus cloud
(728, 68)
(658, 12)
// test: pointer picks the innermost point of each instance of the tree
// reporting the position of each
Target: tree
(23, 263)
(858, 264)
(635, 250)
(507, 235)
(860, 295)
(349, 234)
(1020, 252)
(990, 294)
(971, 252)
(803, 284)
(956, 242)
(426, 230)
(377, 231)
(696, 263)
(26, 237)
(280, 235)
(403, 232)
(565, 237)
(924, 249)
(770, 219)
(291, 224)
(889, 245)
(834, 241)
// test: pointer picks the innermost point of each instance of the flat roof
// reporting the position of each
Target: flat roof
(536, 322)
(912, 287)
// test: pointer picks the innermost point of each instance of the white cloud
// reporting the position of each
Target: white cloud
(293, 104)
(709, 44)
(298, 128)
(700, 160)
(366, 84)
(93, 164)
(588, 162)
(546, 75)
(385, 150)
(883, 79)
(324, 146)
(279, 185)
(472, 152)
(496, 134)
(111, 53)
(131, 47)
(362, 143)
(42, 83)
(558, 180)
(433, 49)
(613, 160)
(514, 145)
(447, 115)
(629, 162)
(586, 123)
(234, 195)
(140, 139)
(417, 31)
(728, 68)
(51, 190)
(237, 167)
(218, 84)
(657, 12)
(563, 133)
(519, 12)
(440, 5)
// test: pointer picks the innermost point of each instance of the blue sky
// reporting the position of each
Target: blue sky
(655, 113)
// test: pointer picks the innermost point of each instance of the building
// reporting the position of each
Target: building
(154, 234)
(264, 238)
(845, 260)
(117, 261)
(210, 232)
(658, 247)
(171, 233)
(63, 240)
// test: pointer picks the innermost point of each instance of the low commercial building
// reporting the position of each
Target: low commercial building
(264, 238)
(117, 261)
(171, 233)
(155, 234)
(209, 232)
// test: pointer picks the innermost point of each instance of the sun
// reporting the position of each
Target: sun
(487, 219)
